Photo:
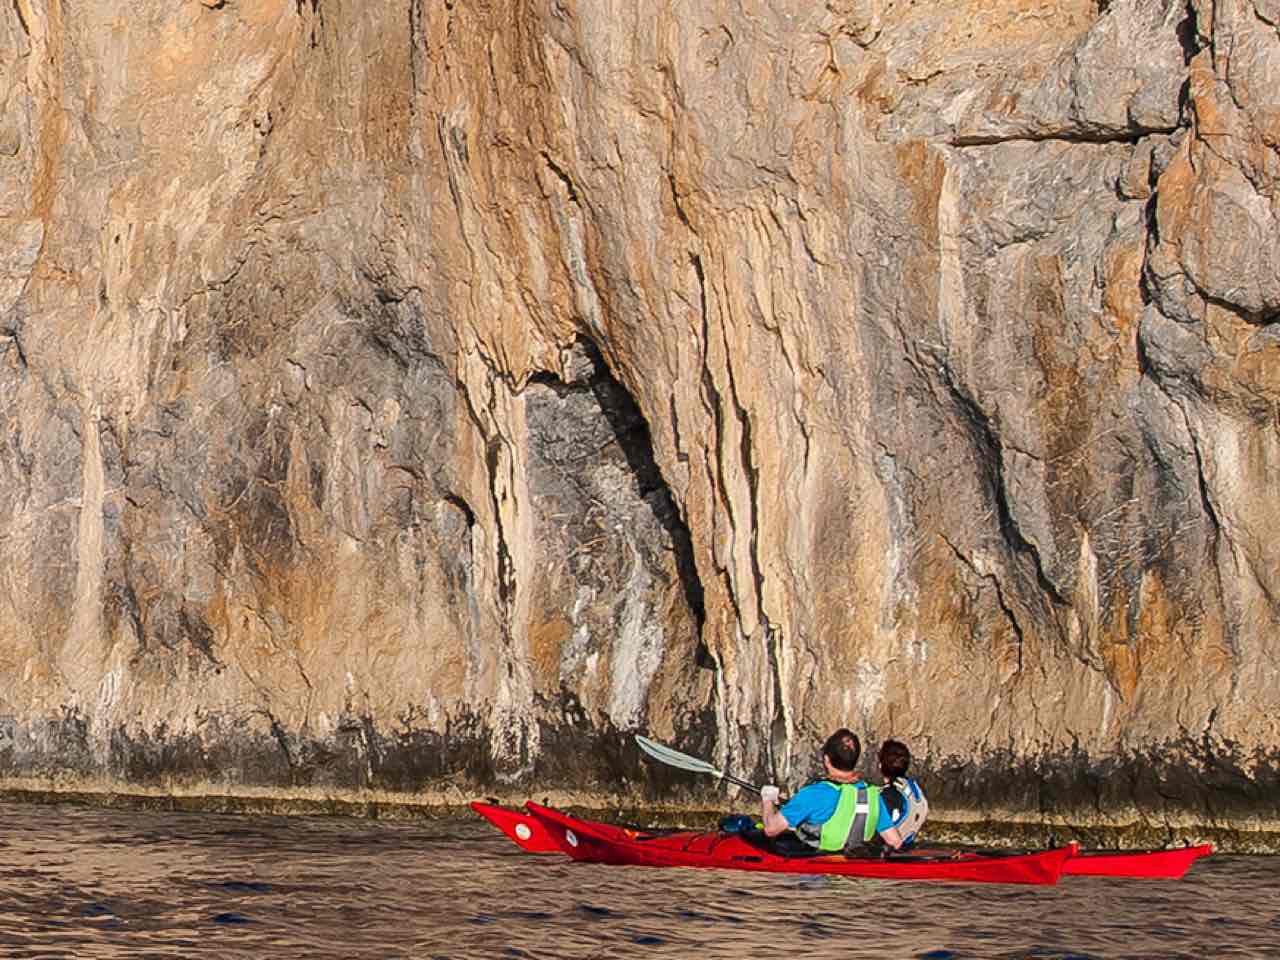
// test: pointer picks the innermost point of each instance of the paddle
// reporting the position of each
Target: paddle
(682, 761)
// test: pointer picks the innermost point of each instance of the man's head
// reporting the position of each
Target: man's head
(842, 750)
(895, 758)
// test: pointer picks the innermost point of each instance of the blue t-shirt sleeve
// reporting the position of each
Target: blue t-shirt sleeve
(811, 804)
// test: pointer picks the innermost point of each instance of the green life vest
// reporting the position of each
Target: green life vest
(856, 818)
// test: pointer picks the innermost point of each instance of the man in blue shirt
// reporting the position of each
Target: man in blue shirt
(839, 813)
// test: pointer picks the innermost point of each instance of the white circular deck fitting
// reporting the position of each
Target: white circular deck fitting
(571, 837)
(523, 831)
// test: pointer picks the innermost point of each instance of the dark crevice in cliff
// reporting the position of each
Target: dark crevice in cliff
(16, 344)
(453, 142)
(712, 402)
(1206, 500)
(1075, 136)
(22, 21)
(506, 567)
(197, 632)
(563, 177)
(675, 199)
(1255, 318)
(1189, 36)
(317, 24)
(465, 508)
(989, 455)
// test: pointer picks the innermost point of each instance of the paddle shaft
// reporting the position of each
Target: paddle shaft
(741, 783)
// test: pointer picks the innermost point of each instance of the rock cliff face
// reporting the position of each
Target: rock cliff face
(413, 399)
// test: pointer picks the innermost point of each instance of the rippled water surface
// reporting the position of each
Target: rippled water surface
(78, 882)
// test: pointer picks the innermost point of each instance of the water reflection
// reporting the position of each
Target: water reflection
(78, 882)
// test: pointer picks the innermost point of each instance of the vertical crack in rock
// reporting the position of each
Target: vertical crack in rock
(317, 19)
(679, 207)
(746, 460)
(199, 634)
(711, 399)
(506, 568)
(415, 54)
(513, 733)
(1189, 35)
(22, 20)
(779, 740)
(122, 605)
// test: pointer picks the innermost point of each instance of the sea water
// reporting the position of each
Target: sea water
(86, 882)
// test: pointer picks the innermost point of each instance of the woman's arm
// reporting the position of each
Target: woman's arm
(892, 837)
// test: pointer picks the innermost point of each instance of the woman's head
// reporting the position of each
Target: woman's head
(895, 758)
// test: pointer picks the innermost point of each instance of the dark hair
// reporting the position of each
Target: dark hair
(843, 749)
(894, 759)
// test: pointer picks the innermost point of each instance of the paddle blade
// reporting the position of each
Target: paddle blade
(674, 758)
(682, 761)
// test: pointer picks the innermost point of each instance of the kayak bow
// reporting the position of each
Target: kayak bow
(520, 826)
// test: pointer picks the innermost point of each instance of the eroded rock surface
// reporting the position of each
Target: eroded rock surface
(416, 399)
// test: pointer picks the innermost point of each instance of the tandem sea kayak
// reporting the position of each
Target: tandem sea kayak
(539, 829)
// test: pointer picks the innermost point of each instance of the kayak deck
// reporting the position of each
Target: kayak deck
(538, 829)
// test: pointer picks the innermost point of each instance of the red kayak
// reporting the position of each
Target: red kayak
(541, 830)
(593, 842)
